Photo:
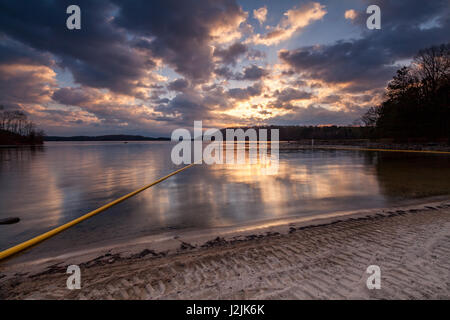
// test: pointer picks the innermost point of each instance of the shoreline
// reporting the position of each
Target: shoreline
(139, 257)
(170, 242)
(366, 144)
(302, 144)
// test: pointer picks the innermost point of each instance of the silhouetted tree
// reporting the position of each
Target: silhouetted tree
(369, 119)
(416, 102)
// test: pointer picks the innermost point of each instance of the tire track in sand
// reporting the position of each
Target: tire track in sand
(325, 262)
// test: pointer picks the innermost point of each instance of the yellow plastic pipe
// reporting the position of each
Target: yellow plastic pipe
(24, 245)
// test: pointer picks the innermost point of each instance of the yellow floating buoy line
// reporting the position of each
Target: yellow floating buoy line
(24, 245)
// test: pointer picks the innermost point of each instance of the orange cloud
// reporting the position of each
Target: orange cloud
(26, 83)
(260, 14)
(294, 21)
(351, 14)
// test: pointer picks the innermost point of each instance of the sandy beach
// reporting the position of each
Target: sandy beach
(319, 259)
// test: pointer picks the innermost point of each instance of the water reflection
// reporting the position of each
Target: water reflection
(54, 184)
(414, 176)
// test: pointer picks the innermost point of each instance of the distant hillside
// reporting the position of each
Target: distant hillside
(119, 137)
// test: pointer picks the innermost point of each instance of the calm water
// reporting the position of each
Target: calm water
(48, 186)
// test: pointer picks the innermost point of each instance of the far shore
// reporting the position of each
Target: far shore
(323, 257)
(374, 144)
(439, 145)
(411, 144)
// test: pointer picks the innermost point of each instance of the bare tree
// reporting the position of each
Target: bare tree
(432, 66)
(16, 121)
(370, 117)
(416, 103)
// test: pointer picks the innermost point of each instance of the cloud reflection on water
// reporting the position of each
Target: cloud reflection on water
(48, 186)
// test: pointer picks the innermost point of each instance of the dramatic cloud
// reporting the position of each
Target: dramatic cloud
(105, 109)
(25, 84)
(224, 72)
(148, 66)
(98, 55)
(252, 73)
(230, 54)
(181, 32)
(289, 94)
(178, 85)
(343, 62)
(12, 51)
(294, 20)
(26, 75)
(245, 93)
(370, 61)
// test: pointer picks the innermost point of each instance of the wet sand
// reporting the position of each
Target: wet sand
(319, 259)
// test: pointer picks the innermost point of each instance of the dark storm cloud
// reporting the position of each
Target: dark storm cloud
(183, 109)
(178, 85)
(289, 94)
(190, 105)
(25, 74)
(27, 86)
(180, 31)
(252, 73)
(72, 96)
(224, 72)
(245, 93)
(342, 62)
(216, 97)
(97, 55)
(14, 52)
(112, 50)
(230, 54)
(368, 62)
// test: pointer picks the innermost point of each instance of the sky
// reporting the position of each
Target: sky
(150, 67)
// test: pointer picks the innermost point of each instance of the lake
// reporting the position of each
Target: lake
(50, 185)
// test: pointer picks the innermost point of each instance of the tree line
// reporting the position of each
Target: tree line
(297, 133)
(16, 122)
(416, 102)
